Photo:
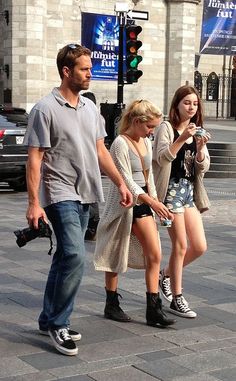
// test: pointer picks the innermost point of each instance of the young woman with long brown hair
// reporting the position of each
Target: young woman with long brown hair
(180, 159)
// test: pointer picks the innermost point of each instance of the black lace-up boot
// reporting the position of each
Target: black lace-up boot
(154, 312)
(112, 309)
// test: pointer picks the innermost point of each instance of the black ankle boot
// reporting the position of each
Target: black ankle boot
(154, 313)
(112, 309)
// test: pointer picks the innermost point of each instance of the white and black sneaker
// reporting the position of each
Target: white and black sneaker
(63, 341)
(75, 336)
(165, 288)
(179, 306)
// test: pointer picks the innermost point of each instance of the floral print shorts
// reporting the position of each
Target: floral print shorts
(179, 195)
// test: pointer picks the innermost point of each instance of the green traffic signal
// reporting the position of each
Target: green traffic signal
(134, 61)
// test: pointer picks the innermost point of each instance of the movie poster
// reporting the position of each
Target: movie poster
(218, 27)
(100, 33)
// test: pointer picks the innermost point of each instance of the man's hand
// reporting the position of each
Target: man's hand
(33, 214)
(126, 196)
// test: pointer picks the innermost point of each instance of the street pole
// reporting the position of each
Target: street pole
(120, 84)
(121, 10)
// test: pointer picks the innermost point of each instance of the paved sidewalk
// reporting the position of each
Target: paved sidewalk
(201, 349)
(222, 130)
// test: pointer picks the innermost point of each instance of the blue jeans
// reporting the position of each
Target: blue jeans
(69, 220)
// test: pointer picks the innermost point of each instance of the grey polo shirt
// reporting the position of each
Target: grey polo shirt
(70, 169)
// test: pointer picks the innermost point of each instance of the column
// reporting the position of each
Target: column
(180, 46)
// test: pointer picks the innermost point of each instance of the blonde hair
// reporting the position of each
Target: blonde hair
(142, 110)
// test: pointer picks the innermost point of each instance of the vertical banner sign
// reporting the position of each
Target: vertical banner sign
(100, 33)
(218, 27)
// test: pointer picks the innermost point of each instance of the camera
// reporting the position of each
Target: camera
(28, 234)
(200, 131)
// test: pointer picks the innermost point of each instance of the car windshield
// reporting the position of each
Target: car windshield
(16, 116)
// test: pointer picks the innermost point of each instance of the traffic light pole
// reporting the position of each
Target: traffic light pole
(114, 113)
(120, 85)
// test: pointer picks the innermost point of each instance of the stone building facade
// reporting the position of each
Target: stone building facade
(37, 29)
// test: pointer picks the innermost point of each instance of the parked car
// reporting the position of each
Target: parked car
(13, 154)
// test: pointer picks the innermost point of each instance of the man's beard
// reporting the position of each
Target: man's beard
(77, 87)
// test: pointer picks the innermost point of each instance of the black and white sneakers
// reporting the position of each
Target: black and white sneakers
(164, 285)
(179, 306)
(63, 341)
(76, 336)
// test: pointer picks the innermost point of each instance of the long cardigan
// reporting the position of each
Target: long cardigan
(162, 161)
(116, 247)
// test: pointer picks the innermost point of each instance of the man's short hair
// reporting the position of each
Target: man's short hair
(68, 55)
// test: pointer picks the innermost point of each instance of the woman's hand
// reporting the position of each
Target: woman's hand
(202, 140)
(126, 196)
(201, 143)
(185, 134)
(161, 210)
(189, 131)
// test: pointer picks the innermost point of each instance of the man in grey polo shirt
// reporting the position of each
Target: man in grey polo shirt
(65, 138)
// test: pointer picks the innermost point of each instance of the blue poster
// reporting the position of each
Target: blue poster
(100, 33)
(218, 27)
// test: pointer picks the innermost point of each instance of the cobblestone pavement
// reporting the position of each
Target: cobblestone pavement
(201, 349)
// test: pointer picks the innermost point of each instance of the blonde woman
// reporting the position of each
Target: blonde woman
(130, 237)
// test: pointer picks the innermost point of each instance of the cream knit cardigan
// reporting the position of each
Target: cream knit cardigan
(116, 247)
(162, 160)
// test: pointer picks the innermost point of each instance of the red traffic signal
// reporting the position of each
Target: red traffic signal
(132, 57)
(132, 32)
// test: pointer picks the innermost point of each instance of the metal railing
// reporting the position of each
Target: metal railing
(218, 93)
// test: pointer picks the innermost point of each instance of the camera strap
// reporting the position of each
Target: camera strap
(51, 245)
(46, 231)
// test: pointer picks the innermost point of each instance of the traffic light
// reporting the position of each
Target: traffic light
(132, 56)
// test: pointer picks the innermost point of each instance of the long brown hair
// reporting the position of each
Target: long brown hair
(142, 110)
(181, 93)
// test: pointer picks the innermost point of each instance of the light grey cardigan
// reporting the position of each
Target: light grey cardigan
(162, 160)
(116, 247)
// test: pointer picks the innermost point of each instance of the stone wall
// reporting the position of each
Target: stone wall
(39, 28)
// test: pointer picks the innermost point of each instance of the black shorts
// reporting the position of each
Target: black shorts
(142, 210)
